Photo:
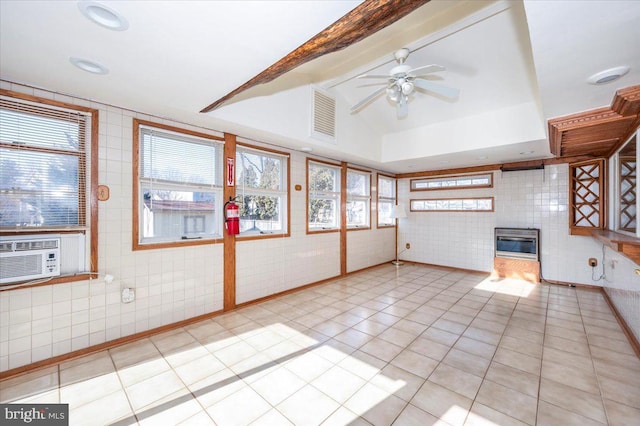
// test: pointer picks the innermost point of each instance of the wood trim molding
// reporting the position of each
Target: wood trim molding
(288, 161)
(229, 264)
(582, 119)
(489, 185)
(343, 219)
(366, 19)
(627, 101)
(92, 201)
(625, 107)
(135, 244)
(494, 167)
(411, 209)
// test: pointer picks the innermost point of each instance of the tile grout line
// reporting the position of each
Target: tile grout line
(595, 371)
(544, 337)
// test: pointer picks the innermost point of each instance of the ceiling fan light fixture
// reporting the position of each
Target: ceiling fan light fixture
(393, 94)
(407, 87)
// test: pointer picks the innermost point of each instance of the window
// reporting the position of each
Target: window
(43, 158)
(453, 182)
(48, 175)
(323, 196)
(386, 200)
(194, 224)
(624, 194)
(262, 191)
(358, 199)
(179, 186)
(484, 204)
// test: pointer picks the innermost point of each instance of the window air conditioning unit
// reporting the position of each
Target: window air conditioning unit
(23, 259)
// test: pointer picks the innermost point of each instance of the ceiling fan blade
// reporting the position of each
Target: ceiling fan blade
(402, 107)
(427, 69)
(373, 76)
(447, 92)
(368, 99)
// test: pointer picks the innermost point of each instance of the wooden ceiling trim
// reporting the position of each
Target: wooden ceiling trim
(596, 131)
(495, 167)
(587, 118)
(366, 19)
(630, 131)
(627, 101)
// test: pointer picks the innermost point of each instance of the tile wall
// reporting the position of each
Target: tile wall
(523, 199)
(370, 247)
(170, 284)
(622, 284)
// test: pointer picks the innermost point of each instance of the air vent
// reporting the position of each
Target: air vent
(324, 116)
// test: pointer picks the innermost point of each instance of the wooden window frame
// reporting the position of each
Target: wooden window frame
(339, 168)
(360, 197)
(393, 200)
(136, 245)
(91, 204)
(493, 206)
(286, 234)
(445, 178)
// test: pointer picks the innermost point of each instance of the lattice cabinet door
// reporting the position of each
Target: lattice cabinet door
(587, 196)
(627, 218)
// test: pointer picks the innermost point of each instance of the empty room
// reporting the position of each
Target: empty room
(378, 212)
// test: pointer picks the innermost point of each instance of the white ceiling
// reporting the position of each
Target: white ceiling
(516, 66)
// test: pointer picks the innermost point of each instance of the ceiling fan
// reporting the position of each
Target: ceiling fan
(401, 82)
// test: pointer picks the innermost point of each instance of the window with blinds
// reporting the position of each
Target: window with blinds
(179, 194)
(43, 167)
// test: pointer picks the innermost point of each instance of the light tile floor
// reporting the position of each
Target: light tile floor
(411, 346)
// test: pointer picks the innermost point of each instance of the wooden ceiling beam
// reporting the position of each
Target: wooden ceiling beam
(368, 18)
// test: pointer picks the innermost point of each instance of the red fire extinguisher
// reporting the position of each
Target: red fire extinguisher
(232, 217)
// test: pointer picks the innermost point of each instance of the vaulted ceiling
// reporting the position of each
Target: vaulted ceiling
(517, 64)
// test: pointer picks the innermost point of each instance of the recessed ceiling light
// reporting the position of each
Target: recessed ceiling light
(526, 152)
(484, 157)
(306, 149)
(102, 15)
(89, 66)
(444, 161)
(607, 76)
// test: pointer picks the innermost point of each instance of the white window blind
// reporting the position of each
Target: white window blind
(180, 185)
(43, 167)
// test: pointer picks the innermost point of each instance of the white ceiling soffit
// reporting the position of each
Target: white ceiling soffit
(572, 40)
(175, 56)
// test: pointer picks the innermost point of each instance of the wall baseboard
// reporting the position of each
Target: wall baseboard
(623, 324)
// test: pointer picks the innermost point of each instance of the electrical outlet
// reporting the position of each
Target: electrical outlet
(408, 246)
(128, 295)
(593, 262)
